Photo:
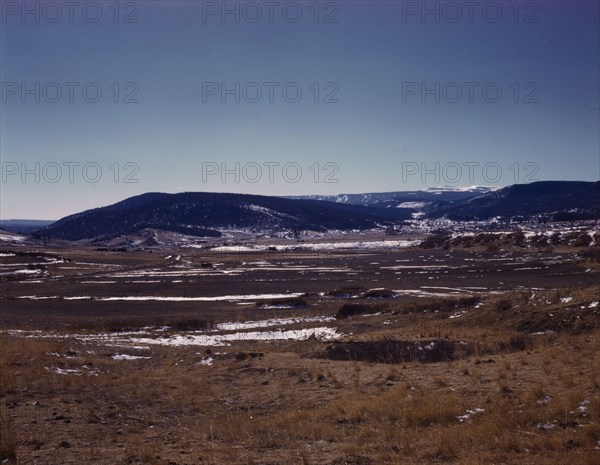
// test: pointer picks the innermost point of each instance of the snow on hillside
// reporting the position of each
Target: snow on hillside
(476, 189)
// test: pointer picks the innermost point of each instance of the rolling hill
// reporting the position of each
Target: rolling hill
(552, 200)
(208, 214)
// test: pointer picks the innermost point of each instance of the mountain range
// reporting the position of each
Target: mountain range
(554, 200)
(23, 226)
(211, 214)
(551, 200)
(433, 195)
(208, 214)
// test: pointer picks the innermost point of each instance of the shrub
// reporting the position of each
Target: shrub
(515, 344)
(441, 305)
(492, 248)
(539, 240)
(503, 304)
(294, 302)
(192, 324)
(517, 238)
(349, 310)
(582, 240)
(486, 238)
(347, 292)
(591, 254)
(379, 294)
(398, 351)
(436, 240)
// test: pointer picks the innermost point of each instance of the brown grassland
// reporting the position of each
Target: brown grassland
(512, 378)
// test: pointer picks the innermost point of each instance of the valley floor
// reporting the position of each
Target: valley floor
(362, 355)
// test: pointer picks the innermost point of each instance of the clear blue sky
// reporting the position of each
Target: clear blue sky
(388, 105)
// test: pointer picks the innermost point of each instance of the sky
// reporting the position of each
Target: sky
(105, 100)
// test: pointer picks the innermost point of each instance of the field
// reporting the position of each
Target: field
(355, 351)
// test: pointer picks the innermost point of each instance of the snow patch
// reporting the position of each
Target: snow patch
(321, 333)
(170, 299)
(469, 413)
(127, 357)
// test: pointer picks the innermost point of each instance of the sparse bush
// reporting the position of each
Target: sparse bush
(116, 326)
(437, 240)
(241, 356)
(395, 351)
(392, 375)
(350, 310)
(592, 254)
(517, 238)
(578, 239)
(379, 294)
(193, 324)
(556, 239)
(539, 240)
(486, 238)
(516, 344)
(442, 305)
(582, 240)
(503, 305)
(294, 302)
(492, 248)
(347, 292)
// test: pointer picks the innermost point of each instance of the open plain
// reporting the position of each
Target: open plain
(337, 351)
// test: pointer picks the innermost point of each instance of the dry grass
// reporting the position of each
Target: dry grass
(269, 409)
(8, 440)
(504, 395)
